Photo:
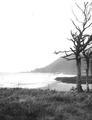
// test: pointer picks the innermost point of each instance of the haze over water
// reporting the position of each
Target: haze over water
(34, 80)
(25, 80)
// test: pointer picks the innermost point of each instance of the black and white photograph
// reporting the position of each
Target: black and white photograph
(45, 60)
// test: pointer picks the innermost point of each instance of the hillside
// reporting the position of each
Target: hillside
(59, 66)
(62, 66)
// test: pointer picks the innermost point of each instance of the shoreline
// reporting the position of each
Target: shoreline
(72, 80)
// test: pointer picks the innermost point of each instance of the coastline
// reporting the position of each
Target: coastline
(72, 80)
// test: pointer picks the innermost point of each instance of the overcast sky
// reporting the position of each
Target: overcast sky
(31, 30)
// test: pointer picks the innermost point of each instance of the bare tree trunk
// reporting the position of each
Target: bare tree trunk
(78, 82)
(91, 67)
(87, 74)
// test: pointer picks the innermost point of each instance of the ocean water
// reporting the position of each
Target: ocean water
(34, 80)
(25, 80)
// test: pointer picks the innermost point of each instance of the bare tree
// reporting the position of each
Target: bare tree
(87, 55)
(80, 40)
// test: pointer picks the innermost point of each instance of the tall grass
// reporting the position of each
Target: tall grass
(24, 104)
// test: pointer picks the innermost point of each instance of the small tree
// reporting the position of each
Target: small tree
(80, 40)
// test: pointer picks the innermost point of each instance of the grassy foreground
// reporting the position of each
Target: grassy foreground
(36, 104)
(73, 79)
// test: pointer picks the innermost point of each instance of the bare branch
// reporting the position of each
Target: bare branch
(88, 26)
(88, 49)
(79, 7)
(74, 36)
(58, 52)
(88, 19)
(67, 55)
(73, 51)
(76, 17)
(85, 36)
(86, 44)
(69, 58)
(76, 26)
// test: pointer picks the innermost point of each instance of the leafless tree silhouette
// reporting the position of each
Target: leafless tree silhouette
(80, 40)
(87, 55)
